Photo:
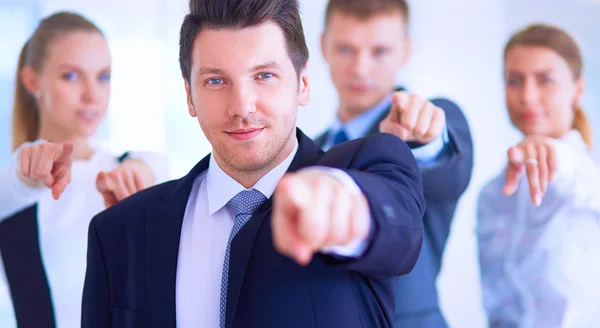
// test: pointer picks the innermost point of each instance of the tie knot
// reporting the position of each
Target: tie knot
(246, 202)
(340, 137)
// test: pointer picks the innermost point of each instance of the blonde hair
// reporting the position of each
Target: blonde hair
(559, 41)
(26, 118)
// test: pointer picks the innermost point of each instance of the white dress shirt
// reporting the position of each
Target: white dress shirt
(205, 231)
(540, 266)
(63, 229)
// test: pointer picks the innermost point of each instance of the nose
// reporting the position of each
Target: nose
(362, 64)
(91, 91)
(530, 92)
(243, 100)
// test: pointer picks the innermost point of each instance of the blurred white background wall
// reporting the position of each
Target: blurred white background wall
(457, 54)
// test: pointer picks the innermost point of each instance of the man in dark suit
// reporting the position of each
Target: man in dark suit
(365, 44)
(267, 231)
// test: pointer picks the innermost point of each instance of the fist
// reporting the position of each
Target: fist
(537, 157)
(124, 181)
(312, 210)
(47, 163)
(413, 118)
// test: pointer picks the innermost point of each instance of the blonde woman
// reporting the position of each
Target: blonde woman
(59, 179)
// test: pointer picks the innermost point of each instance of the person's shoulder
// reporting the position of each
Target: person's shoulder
(381, 142)
(595, 156)
(380, 147)
(103, 150)
(373, 142)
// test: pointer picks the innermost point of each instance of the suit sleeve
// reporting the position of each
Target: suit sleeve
(387, 173)
(446, 179)
(453, 169)
(96, 307)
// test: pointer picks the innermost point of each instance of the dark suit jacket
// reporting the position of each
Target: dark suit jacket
(133, 251)
(443, 182)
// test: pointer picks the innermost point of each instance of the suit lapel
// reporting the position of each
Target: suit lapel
(320, 140)
(241, 246)
(163, 231)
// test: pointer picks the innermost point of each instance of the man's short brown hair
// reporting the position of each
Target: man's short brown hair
(238, 14)
(364, 9)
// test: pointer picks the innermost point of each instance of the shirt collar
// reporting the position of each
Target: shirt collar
(360, 125)
(221, 188)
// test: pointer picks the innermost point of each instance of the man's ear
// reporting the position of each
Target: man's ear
(190, 102)
(304, 87)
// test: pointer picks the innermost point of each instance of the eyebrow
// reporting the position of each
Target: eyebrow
(207, 70)
(266, 66)
(78, 69)
(538, 72)
(271, 65)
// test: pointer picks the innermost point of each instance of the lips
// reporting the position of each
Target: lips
(359, 87)
(245, 134)
(88, 115)
(530, 116)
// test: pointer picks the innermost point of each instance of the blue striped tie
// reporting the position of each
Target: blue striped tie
(243, 206)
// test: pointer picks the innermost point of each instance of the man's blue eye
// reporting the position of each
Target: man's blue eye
(70, 76)
(344, 49)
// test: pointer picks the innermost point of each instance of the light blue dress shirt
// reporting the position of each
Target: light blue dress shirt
(359, 126)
